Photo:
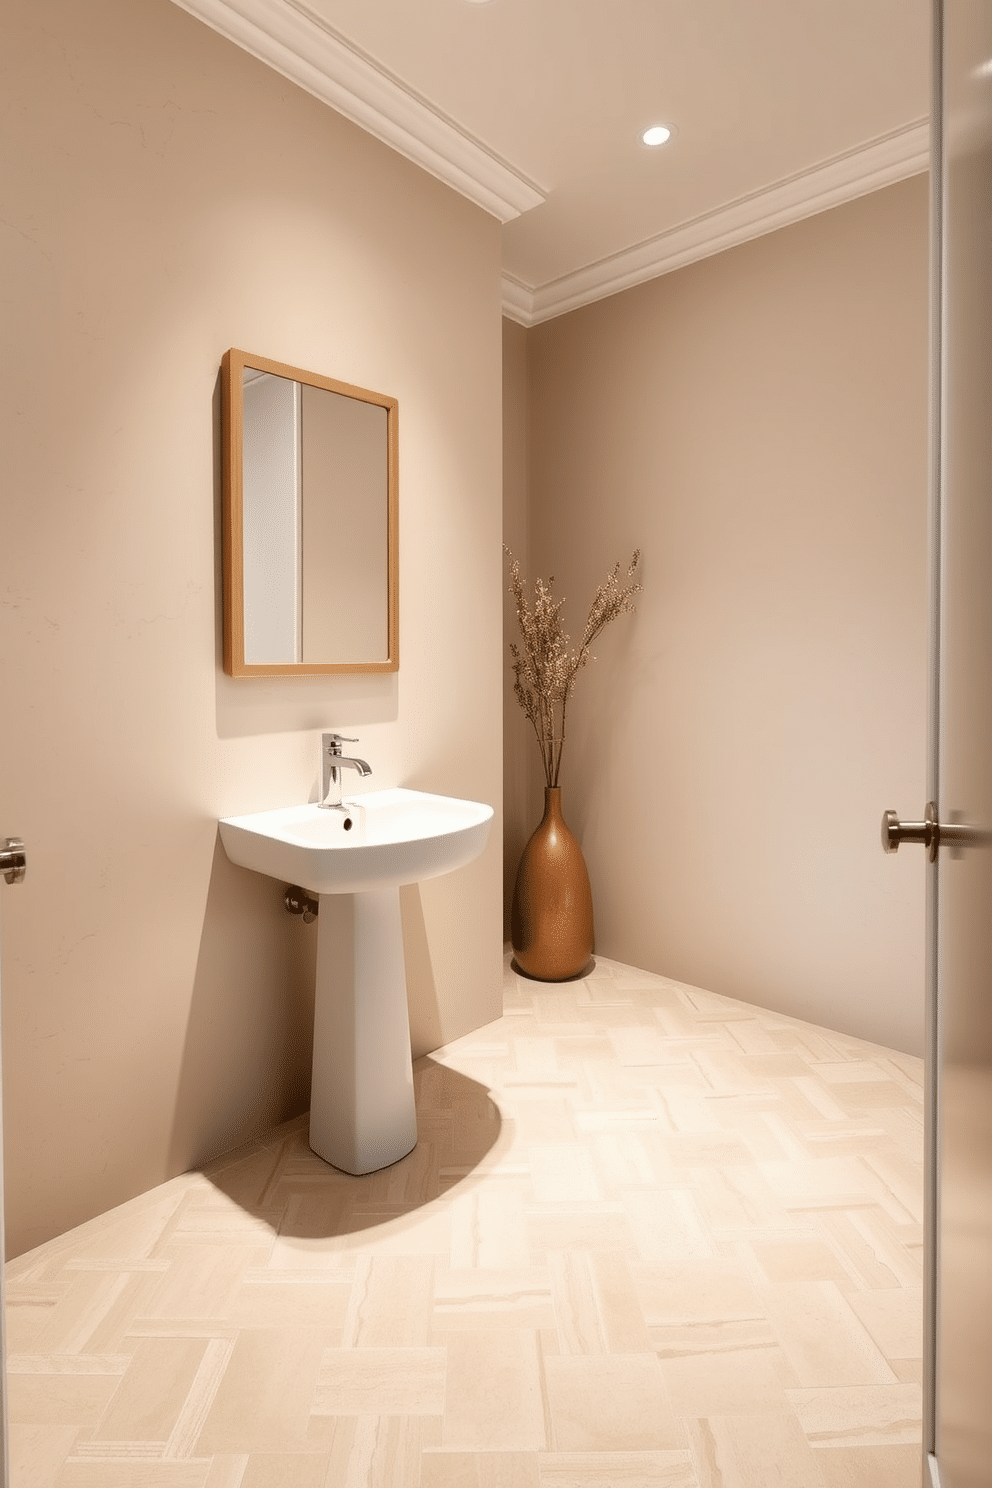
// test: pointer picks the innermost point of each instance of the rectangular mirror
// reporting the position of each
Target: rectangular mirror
(310, 524)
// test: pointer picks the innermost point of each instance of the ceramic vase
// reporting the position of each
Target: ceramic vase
(551, 918)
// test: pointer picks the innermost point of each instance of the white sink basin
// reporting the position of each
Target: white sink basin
(386, 838)
(362, 1112)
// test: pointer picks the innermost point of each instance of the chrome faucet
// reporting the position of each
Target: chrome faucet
(332, 767)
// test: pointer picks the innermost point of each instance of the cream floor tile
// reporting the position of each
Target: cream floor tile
(601, 1227)
(493, 1398)
(672, 1469)
(904, 1179)
(706, 1149)
(380, 1381)
(687, 1105)
(864, 1416)
(622, 1320)
(37, 1453)
(87, 1299)
(668, 1225)
(391, 1303)
(275, 1298)
(893, 1253)
(832, 1182)
(756, 1132)
(59, 1399)
(908, 1371)
(563, 1172)
(220, 1223)
(894, 1318)
(480, 1470)
(489, 1227)
(601, 1400)
(134, 1297)
(201, 1280)
(535, 1053)
(771, 1063)
(81, 1473)
(581, 1329)
(843, 1138)
(844, 1230)
(378, 1451)
(544, 1120)
(307, 1254)
(706, 1289)
(152, 1394)
(648, 1236)
(264, 1397)
(856, 1096)
(639, 1045)
(804, 1258)
(28, 1313)
(747, 1381)
(753, 1451)
(283, 1470)
(628, 1153)
(227, 1470)
(872, 1467)
(824, 1340)
(683, 1340)
(209, 1376)
(489, 1298)
(557, 1012)
(819, 1096)
(733, 1198)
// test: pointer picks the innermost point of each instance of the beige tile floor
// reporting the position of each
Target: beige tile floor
(649, 1236)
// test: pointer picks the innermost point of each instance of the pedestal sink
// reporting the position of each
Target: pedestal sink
(362, 1114)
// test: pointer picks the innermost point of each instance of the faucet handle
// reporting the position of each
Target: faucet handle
(333, 742)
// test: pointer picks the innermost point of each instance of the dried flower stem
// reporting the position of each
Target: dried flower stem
(544, 669)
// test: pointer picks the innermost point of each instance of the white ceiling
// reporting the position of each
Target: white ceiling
(534, 109)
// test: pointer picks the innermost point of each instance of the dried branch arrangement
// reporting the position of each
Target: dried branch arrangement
(545, 668)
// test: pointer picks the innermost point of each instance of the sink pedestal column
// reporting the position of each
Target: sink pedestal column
(362, 1113)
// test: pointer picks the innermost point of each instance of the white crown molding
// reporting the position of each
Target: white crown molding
(518, 301)
(286, 36)
(893, 157)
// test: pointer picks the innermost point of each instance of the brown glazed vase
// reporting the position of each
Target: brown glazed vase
(551, 917)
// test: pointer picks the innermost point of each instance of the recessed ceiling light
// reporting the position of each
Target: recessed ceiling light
(658, 134)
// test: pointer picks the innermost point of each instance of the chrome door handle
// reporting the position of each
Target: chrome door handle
(932, 833)
(13, 860)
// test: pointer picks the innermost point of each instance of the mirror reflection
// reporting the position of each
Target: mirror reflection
(310, 522)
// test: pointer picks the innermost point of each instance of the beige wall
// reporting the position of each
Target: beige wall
(521, 792)
(757, 424)
(168, 197)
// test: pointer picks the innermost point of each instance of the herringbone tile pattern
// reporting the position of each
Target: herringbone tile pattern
(649, 1236)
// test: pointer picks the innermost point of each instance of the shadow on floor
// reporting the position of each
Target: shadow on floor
(280, 1182)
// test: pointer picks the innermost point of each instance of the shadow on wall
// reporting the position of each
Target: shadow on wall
(281, 1182)
(249, 1035)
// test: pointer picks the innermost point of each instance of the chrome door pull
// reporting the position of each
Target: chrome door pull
(13, 860)
(930, 832)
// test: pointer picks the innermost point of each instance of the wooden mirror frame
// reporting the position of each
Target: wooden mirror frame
(232, 507)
